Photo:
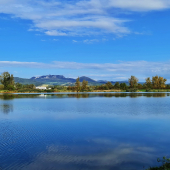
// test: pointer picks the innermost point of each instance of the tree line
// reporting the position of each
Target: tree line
(156, 82)
(8, 83)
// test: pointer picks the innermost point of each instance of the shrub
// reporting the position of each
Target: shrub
(1, 87)
(165, 164)
(132, 90)
(10, 87)
(148, 90)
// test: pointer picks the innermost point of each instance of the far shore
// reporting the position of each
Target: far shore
(67, 91)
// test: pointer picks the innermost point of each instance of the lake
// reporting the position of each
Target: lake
(85, 131)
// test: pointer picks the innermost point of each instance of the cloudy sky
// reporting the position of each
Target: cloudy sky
(102, 39)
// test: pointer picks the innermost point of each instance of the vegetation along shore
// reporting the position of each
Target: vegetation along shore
(154, 84)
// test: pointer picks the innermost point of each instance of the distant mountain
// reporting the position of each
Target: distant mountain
(54, 80)
(87, 79)
(60, 80)
(48, 77)
(102, 81)
(27, 81)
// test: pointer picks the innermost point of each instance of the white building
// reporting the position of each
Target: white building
(41, 88)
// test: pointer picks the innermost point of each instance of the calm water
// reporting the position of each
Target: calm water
(104, 131)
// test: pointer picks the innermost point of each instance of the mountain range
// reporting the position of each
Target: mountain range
(60, 80)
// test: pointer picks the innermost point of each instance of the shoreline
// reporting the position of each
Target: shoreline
(94, 91)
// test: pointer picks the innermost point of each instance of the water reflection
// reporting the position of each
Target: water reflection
(119, 158)
(14, 96)
(87, 95)
(104, 132)
(6, 108)
(82, 95)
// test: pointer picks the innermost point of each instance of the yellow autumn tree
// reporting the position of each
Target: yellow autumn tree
(133, 81)
(148, 82)
(158, 82)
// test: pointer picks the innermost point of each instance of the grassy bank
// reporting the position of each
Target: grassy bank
(154, 90)
(65, 91)
(57, 91)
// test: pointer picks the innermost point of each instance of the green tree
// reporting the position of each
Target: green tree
(18, 86)
(109, 85)
(165, 164)
(78, 84)
(133, 81)
(7, 80)
(1, 87)
(117, 85)
(148, 82)
(123, 86)
(84, 85)
(140, 86)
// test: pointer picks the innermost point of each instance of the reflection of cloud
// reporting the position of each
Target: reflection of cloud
(120, 157)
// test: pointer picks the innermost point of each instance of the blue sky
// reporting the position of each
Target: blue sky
(105, 40)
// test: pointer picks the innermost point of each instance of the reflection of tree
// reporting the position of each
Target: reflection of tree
(155, 94)
(86, 95)
(7, 97)
(13, 96)
(82, 95)
(134, 95)
(6, 108)
(79, 95)
(59, 95)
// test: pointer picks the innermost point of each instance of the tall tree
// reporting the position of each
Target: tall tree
(162, 82)
(155, 82)
(158, 82)
(7, 80)
(123, 86)
(117, 85)
(18, 86)
(109, 85)
(77, 84)
(84, 85)
(148, 82)
(133, 81)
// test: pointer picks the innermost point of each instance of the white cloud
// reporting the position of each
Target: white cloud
(55, 33)
(87, 41)
(140, 66)
(78, 18)
(121, 70)
(74, 41)
(55, 39)
(140, 5)
(91, 41)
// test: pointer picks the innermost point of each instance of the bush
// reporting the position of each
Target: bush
(1, 87)
(148, 90)
(165, 164)
(132, 90)
(10, 87)
(48, 91)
